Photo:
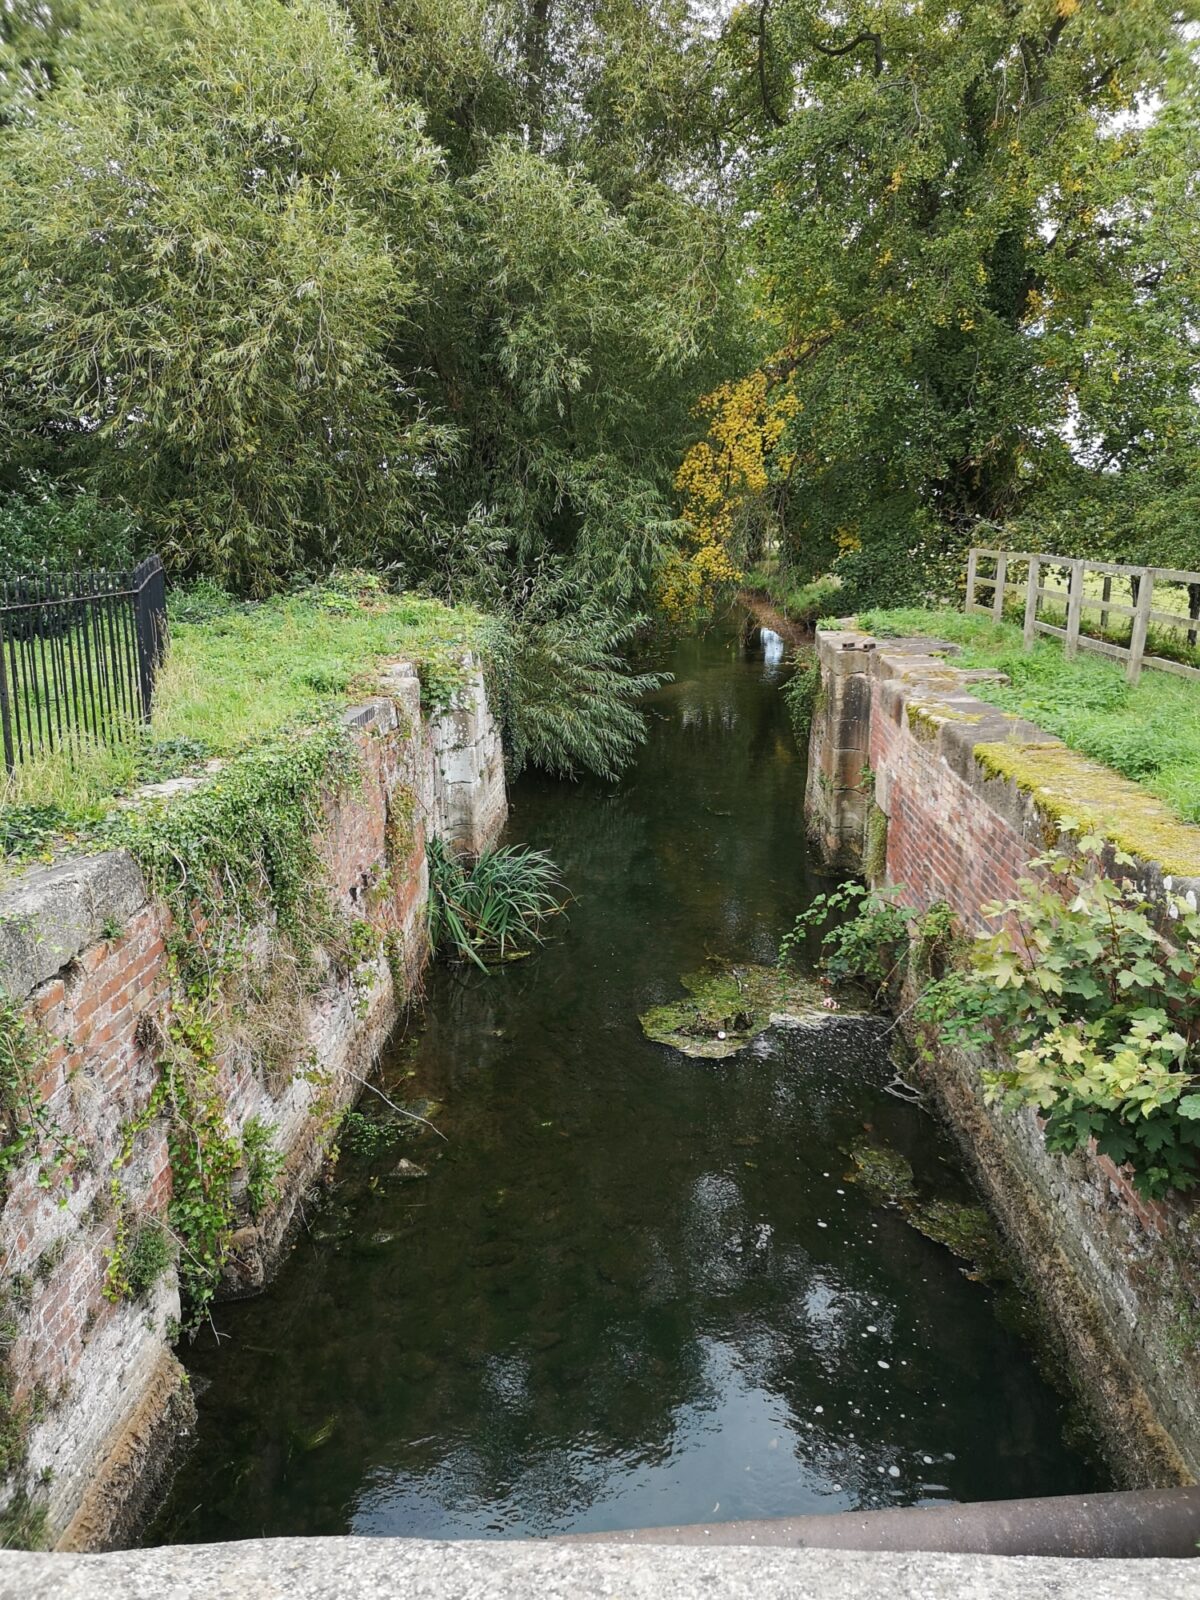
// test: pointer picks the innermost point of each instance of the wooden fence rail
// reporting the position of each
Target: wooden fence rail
(1079, 599)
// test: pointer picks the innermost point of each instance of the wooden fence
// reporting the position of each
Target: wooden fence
(1087, 591)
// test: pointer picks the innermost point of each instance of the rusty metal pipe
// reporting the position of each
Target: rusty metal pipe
(1139, 1522)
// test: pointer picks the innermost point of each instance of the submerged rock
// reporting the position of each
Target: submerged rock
(969, 1232)
(885, 1174)
(408, 1171)
(965, 1230)
(729, 1006)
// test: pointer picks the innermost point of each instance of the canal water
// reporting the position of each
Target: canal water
(634, 1288)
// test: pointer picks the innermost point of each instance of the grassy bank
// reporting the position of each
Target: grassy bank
(1149, 732)
(234, 675)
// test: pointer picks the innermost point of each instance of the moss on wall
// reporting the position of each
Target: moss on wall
(1068, 787)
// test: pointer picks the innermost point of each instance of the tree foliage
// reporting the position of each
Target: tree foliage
(215, 218)
(324, 282)
(973, 233)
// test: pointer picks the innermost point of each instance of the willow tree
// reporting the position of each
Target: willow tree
(953, 251)
(213, 223)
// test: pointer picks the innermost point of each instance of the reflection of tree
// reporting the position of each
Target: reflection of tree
(543, 1310)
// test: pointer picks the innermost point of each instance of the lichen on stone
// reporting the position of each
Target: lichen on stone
(1067, 786)
(727, 1006)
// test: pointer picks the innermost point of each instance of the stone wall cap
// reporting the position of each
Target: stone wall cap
(420, 1569)
(48, 915)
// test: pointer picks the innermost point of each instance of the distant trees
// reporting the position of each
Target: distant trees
(591, 296)
(306, 283)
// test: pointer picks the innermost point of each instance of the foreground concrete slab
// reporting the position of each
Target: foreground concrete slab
(415, 1569)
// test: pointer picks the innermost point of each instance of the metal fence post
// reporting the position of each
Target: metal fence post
(1031, 601)
(10, 759)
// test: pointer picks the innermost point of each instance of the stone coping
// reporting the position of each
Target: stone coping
(417, 1569)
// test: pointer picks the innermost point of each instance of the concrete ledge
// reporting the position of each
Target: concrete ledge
(371, 1569)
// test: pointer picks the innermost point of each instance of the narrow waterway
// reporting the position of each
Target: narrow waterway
(634, 1288)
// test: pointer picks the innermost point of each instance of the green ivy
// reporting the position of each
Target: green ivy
(244, 842)
(240, 848)
(28, 1128)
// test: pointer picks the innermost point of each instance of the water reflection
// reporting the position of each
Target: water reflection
(635, 1289)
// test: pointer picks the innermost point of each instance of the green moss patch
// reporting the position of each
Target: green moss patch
(885, 1174)
(1144, 731)
(728, 1006)
(1071, 789)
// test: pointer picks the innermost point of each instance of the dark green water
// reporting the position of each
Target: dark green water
(635, 1288)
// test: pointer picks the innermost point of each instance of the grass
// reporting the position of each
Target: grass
(241, 673)
(1149, 732)
(801, 602)
(494, 909)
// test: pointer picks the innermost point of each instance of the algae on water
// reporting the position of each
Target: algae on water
(727, 1006)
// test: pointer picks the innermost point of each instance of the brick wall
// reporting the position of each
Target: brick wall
(895, 784)
(85, 947)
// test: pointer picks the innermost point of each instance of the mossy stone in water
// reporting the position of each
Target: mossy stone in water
(969, 1232)
(965, 1230)
(728, 1007)
(885, 1174)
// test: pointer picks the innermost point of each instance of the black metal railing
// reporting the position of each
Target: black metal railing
(78, 657)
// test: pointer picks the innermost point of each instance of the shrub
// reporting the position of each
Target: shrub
(150, 1254)
(44, 527)
(800, 692)
(263, 1163)
(868, 943)
(1093, 995)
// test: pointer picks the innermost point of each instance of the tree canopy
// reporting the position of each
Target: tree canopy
(595, 296)
(972, 234)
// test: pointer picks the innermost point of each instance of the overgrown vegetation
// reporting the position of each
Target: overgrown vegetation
(1145, 732)
(1084, 1000)
(801, 601)
(801, 692)
(559, 683)
(29, 1132)
(494, 908)
(1092, 991)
